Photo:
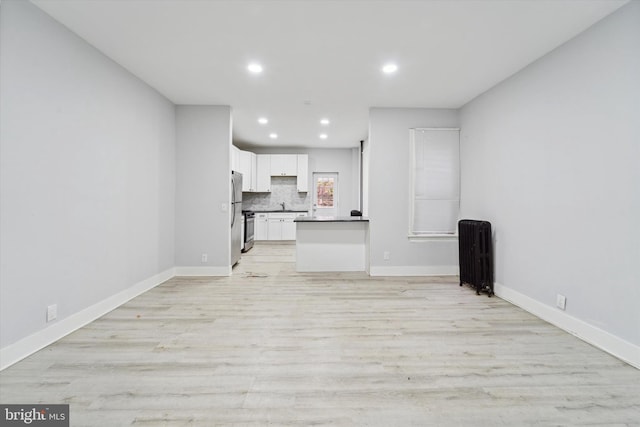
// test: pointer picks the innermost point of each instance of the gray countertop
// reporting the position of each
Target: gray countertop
(279, 211)
(331, 219)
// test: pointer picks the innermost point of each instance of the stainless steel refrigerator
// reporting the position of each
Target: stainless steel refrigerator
(236, 216)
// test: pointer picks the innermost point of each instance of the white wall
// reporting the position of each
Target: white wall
(339, 160)
(550, 157)
(388, 194)
(203, 185)
(87, 175)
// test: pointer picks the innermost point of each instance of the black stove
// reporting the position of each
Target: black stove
(249, 228)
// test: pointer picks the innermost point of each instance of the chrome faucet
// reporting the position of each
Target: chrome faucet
(282, 204)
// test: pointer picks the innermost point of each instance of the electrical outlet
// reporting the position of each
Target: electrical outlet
(52, 312)
(205, 257)
(561, 301)
(387, 255)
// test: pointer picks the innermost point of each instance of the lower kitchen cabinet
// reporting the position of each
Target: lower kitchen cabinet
(288, 229)
(261, 231)
(276, 225)
(275, 229)
(281, 226)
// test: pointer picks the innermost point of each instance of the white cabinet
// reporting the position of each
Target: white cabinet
(263, 173)
(281, 226)
(303, 173)
(289, 226)
(261, 226)
(295, 227)
(284, 164)
(257, 170)
(288, 229)
(244, 167)
(254, 172)
(275, 229)
(235, 158)
(247, 168)
(276, 225)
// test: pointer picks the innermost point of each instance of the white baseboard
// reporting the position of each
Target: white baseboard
(623, 350)
(414, 270)
(203, 271)
(25, 347)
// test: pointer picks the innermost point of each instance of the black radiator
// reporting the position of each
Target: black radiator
(476, 255)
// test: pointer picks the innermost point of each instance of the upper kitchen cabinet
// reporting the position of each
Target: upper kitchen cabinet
(263, 173)
(247, 167)
(284, 164)
(303, 173)
(235, 158)
(257, 170)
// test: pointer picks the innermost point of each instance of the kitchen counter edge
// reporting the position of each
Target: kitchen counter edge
(332, 219)
(278, 211)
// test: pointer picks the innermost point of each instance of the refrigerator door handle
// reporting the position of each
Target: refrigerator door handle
(233, 215)
(233, 201)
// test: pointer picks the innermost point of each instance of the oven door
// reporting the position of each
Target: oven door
(249, 221)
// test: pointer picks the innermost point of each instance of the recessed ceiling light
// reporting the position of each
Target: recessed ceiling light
(323, 136)
(273, 135)
(389, 68)
(263, 120)
(255, 68)
(324, 122)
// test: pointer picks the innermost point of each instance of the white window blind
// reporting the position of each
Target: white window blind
(435, 181)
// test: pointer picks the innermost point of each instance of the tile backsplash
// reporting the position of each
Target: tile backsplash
(283, 189)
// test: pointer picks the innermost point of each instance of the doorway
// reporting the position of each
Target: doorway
(325, 194)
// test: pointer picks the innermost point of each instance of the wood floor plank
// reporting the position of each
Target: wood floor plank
(269, 345)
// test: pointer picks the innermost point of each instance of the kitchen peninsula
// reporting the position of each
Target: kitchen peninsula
(332, 243)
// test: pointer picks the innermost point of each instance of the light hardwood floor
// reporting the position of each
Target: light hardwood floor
(272, 346)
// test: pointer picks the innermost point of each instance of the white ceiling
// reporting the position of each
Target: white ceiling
(327, 54)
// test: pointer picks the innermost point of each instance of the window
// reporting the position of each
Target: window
(325, 192)
(325, 195)
(435, 182)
